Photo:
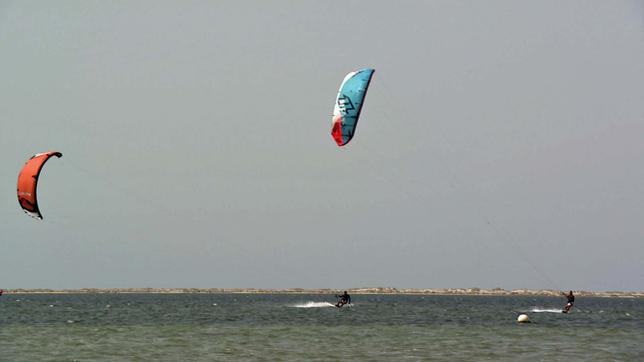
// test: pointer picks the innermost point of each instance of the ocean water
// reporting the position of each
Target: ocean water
(225, 327)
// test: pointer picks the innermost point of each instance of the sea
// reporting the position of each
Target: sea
(296, 327)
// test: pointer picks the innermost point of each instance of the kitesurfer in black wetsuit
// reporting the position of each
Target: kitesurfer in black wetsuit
(571, 301)
(345, 298)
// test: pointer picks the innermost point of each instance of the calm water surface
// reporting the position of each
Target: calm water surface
(221, 327)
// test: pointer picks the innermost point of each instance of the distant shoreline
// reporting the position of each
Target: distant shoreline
(392, 291)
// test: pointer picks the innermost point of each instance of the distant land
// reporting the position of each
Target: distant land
(383, 290)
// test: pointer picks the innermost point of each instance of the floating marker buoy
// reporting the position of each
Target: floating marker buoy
(523, 318)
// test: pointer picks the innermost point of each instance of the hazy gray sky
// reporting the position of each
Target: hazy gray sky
(500, 144)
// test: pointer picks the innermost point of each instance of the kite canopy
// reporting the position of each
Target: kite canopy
(28, 181)
(348, 105)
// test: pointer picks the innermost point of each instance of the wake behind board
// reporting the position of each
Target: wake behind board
(544, 310)
(314, 305)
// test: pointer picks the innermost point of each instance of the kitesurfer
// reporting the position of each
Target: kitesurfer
(571, 301)
(344, 298)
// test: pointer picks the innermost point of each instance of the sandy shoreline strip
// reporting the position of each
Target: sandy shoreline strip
(398, 291)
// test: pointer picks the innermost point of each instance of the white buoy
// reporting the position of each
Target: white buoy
(523, 318)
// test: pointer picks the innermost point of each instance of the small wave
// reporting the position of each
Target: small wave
(314, 305)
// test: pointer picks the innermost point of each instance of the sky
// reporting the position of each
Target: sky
(500, 144)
